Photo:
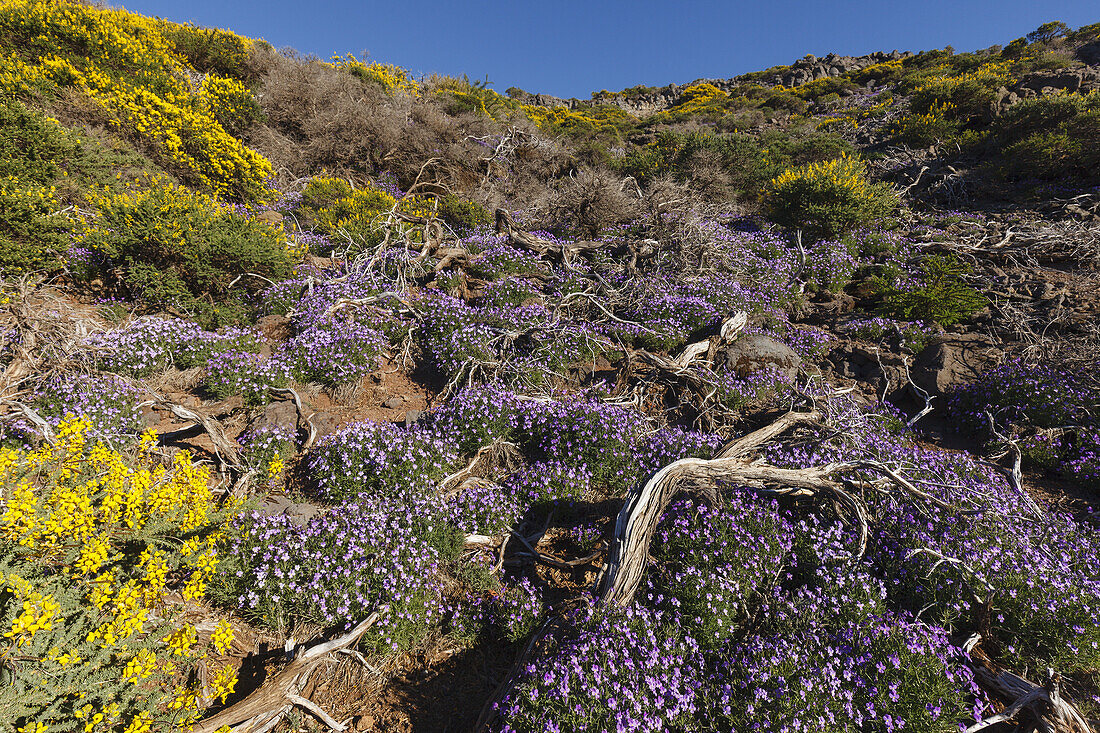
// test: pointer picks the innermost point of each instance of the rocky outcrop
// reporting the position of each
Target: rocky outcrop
(807, 69)
(810, 68)
(953, 360)
(1089, 53)
(1068, 80)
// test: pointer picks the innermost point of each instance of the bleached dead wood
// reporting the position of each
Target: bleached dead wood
(1049, 711)
(636, 524)
(225, 450)
(281, 691)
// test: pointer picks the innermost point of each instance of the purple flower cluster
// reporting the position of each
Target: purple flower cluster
(150, 344)
(888, 674)
(337, 568)
(499, 259)
(379, 459)
(338, 351)
(912, 335)
(1029, 399)
(712, 563)
(623, 670)
(263, 443)
(570, 444)
(518, 609)
(1036, 571)
(831, 265)
(108, 402)
(671, 311)
(484, 508)
(229, 373)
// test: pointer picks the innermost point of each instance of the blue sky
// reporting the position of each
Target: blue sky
(575, 47)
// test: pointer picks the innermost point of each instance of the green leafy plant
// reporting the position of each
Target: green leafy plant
(1049, 138)
(937, 294)
(170, 245)
(32, 233)
(463, 215)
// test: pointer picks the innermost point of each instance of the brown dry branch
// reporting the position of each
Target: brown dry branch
(311, 436)
(45, 334)
(561, 253)
(226, 451)
(1048, 710)
(280, 692)
(628, 555)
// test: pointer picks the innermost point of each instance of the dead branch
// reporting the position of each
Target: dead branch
(637, 521)
(225, 450)
(305, 419)
(1050, 711)
(317, 712)
(742, 446)
(280, 691)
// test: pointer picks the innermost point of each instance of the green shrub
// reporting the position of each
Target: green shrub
(32, 232)
(170, 245)
(211, 50)
(334, 207)
(1085, 33)
(1048, 32)
(1050, 138)
(827, 199)
(30, 145)
(937, 294)
(463, 215)
(747, 162)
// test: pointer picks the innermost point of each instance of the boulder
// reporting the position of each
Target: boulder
(883, 370)
(281, 415)
(274, 327)
(299, 513)
(271, 217)
(325, 423)
(952, 360)
(754, 352)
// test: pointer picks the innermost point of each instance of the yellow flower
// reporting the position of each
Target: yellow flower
(181, 641)
(223, 683)
(140, 666)
(222, 637)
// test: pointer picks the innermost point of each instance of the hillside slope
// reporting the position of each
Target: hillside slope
(336, 399)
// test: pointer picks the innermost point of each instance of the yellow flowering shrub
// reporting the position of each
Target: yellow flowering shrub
(946, 102)
(391, 78)
(170, 244)
(32, 234)
(93, 545)
(828, 198)
(126, 64)
(701, 99)
(230, 102)
(609, 123)
(354, 215)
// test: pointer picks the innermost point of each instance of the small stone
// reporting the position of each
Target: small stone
(271, 217)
